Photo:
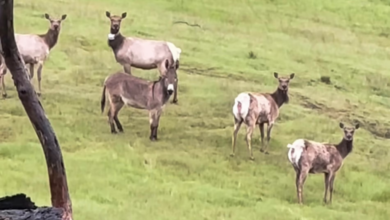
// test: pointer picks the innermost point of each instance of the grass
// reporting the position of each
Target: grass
(188, 174)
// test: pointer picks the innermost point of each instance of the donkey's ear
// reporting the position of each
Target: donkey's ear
(357, 126)
(177, 64)
(63, 17)
(124, 14)
(292, 75)
(108, 14)
(47, 16)
(341, 125)
(166, 64)
(276, 74)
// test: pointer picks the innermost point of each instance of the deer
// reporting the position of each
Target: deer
(308, 156)
(124, 89)
(34, 49)
(140, 53)
(253, 109)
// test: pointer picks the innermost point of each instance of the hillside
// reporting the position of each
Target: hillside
(188, 173)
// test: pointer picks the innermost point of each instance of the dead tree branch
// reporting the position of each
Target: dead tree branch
(184, 22)
(57, 176)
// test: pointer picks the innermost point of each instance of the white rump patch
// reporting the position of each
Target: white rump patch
(175, 51)
(171, 87)
(297, 147)
(111, 36)
(245, 101)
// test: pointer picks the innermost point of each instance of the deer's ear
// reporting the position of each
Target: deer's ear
(292, 75)
(63, 17)
(341, 125)
(108, 14)
(357, 126)
(276, 74)
(47, 16)
(124, 14)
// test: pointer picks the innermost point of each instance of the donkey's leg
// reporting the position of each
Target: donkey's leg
(237, 125)
(269, 129)
(249, 131)
(39, 73)
(111, 120)
(118, 107)
(154, 117)
(261, 127)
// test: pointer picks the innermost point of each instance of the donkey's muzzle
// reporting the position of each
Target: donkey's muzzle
(170, 89)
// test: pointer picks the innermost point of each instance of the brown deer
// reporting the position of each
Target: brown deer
(140, 53)
(257, 109)
(35, 49)
(122, 88)
(308, 156)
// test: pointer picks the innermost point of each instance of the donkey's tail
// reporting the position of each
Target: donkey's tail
(103, 100)
(241, 106)
(175, 51)
(295, 151)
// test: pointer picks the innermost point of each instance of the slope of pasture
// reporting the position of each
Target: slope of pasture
(188, 174)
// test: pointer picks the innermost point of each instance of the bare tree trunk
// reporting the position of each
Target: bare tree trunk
(57, 177)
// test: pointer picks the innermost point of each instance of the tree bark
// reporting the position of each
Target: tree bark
(57, 176)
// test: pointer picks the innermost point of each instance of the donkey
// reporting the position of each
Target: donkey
(122, 88)
(308, 156)
(34, 49)
(140, 53)
(257, 109)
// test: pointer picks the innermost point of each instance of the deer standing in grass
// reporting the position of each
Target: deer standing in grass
(34, 49)
(308, 156)
(122, 88)
(140, 53)
(254, 109)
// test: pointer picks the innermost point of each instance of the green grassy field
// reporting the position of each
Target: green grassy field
(188, 173)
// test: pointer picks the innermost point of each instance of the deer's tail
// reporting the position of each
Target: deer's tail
(295, 151)
(241, 106)
(103, 100)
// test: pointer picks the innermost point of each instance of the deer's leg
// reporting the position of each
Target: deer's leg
(269, 129)
(118, 107)
(327, 180)
(237, 125)
(39, 73)
(31, 71)
(301, 181)
(261, 127)
(249, 131)
(154, 118)
(2, 78)
(298, 173)
(127, 68)
(331, 181)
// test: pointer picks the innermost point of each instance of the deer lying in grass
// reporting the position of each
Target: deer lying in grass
(123, 88)
(257, 109)
(140, 53)
(312, 157)
(35, 49)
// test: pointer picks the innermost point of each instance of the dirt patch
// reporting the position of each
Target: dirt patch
(372, 125)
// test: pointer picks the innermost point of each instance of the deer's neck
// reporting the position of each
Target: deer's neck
(50, 38)
(280, 97)
(344, 147)
(116, 43)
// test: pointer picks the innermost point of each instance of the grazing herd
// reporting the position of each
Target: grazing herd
(122, 88)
